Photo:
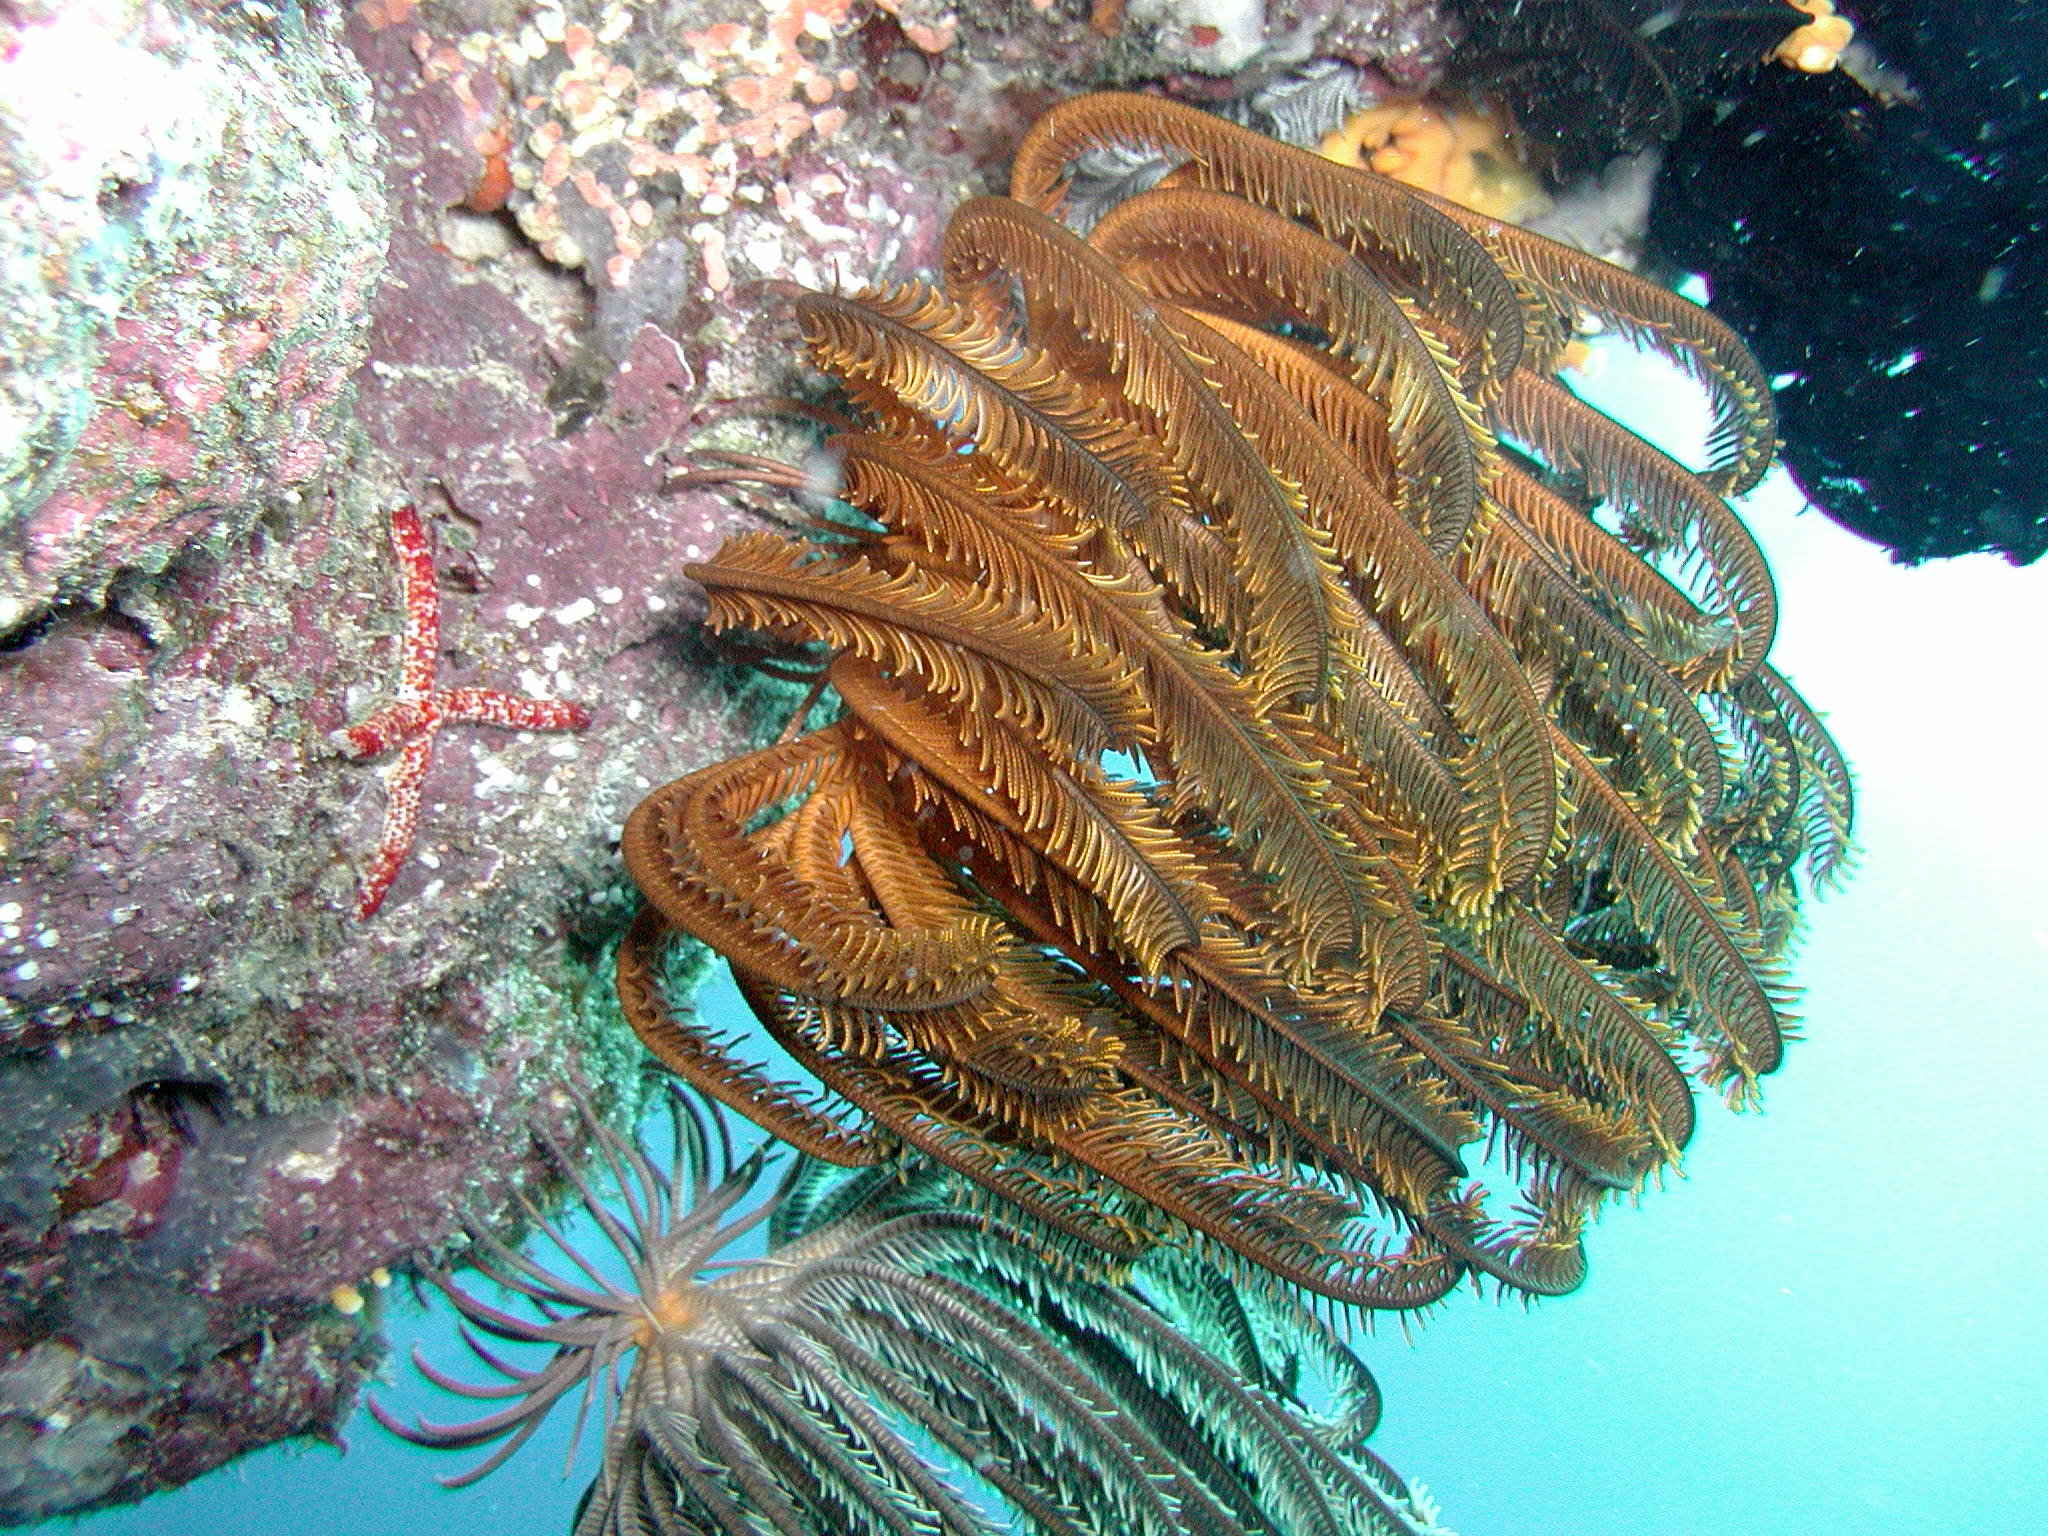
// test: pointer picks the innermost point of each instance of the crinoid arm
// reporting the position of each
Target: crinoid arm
(709, 1065)
(1446, 270)
(1744, 436)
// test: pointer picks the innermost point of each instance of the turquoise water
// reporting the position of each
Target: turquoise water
(1829, 1327)
(1832, 1325)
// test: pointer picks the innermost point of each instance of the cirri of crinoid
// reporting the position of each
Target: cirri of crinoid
(1297, 764)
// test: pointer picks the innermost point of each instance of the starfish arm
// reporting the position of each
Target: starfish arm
(422, 641)
(402, 783)
(488, 706)
(387, 728)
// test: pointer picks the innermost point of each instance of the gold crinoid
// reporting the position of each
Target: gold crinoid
(1297, 758)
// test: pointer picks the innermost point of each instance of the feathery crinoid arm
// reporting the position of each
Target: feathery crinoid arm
(1727, 984)
(1070, 290)
(1205, 249)
(910, 352)
(709, 1064)
(1475, 678)
(1675, 507)
(1827, 794)
(1112, 844)
(688, 848)
(922, 364)
(1619, 691)
(967, 643)
(1408, 240)
(1205, 731)
(1616, 578)
(1570, 282)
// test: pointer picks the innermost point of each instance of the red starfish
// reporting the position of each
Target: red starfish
(412, 721)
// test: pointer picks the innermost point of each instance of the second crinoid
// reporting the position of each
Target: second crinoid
(890, 1366)
(1296, 757)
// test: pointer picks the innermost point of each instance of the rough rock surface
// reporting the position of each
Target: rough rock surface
(229, 1103)
(190, 222)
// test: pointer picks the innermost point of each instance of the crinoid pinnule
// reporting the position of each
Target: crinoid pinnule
(898, 1365)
